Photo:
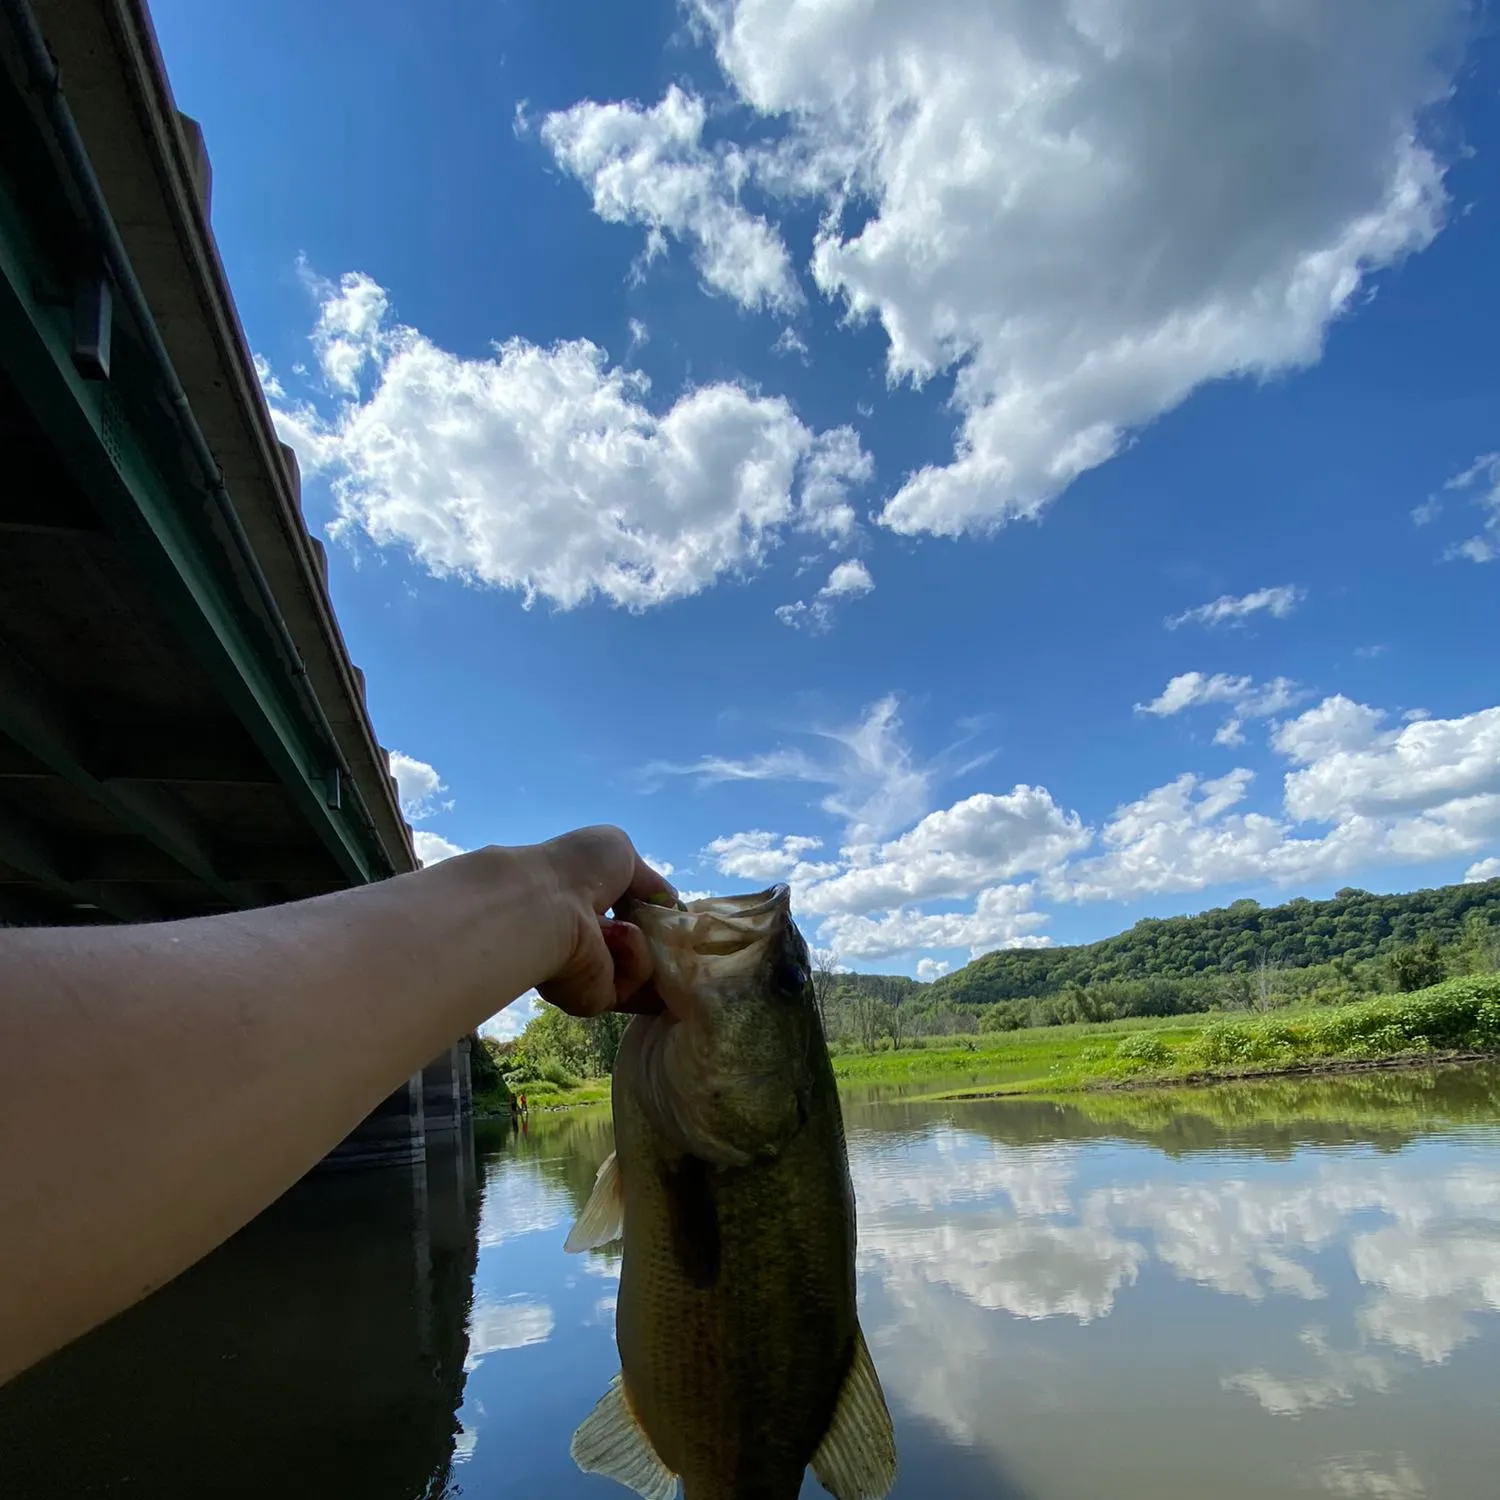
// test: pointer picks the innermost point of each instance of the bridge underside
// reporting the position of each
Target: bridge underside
(129, 790)
(182, 732)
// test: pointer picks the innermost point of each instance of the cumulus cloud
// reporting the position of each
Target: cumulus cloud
(544, 470)
(432, 847)
(1247, 699)
(512, 1021)
(981, 841)
(1277, 602)
(764, 858)
(975, 875)
(1035, 197)
(1001, 917)
(1349, 767)
(419, 787)
(1483, 869)
(848, 580)
(929, 969)
(513, 1323)
(651, 167)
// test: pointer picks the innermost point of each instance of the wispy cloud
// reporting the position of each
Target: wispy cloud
(1481, 481)
(876, 784)
(1229, 609)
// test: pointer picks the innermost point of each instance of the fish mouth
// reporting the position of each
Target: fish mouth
(705, 942)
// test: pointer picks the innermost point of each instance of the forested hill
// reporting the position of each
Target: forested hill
(1354, 925)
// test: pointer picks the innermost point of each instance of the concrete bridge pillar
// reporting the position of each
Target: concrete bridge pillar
(442, 1092)
(393, 1134)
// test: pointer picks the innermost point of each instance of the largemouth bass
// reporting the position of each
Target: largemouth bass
(741, 1356)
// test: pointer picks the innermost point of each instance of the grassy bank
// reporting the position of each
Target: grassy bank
(1456, 1018)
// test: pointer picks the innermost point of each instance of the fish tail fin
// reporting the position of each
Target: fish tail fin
(603, 1216)
(610, 1441)
(857, 1458)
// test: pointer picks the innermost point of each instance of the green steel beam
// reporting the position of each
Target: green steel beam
(161, 527)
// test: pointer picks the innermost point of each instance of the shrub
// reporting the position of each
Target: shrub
(1144, 1048)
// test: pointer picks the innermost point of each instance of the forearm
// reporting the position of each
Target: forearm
(160, 1085)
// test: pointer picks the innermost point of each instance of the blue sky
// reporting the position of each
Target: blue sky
(1009, 467)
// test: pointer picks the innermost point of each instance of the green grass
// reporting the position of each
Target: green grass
(546, 1093)
(1015, 1061)
(1455, 1017)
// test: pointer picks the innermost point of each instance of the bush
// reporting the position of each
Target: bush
(1144, 1048)
(554, 1073)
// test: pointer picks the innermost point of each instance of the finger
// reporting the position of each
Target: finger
(646, 883)
(587, 986)
(631, 954)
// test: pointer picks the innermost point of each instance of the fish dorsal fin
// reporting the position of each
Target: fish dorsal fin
(603, 1216)
(609, 1441)
(857, 1458)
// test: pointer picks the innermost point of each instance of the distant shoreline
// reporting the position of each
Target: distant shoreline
(1317, 1067)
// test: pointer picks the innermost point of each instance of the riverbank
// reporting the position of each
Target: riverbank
(1458, 1020)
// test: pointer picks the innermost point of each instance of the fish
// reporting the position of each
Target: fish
(742, 1361)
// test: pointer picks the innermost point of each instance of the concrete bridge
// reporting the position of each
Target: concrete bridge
(182, 730)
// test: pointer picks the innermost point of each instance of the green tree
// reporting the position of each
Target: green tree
(1416, 966)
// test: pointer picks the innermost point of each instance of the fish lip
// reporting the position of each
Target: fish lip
(753, 904)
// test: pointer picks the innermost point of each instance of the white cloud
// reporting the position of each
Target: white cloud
(432, 847)
(650, 167)
(1481, 481)
(1354, 796)
(877, 784)
(1249, 701)
(1484, 869)
(981, 841)
(272, 387)
(763, 858)
(661, 866)
(1350, 767)
(1366, 1476)
(929, 969)
(543, 469)
(789, 341)
(513, 1323)
(350, 331)
(419, 787)
(512, 1021)
(1277, 602)
(1047, 209)
(848, 580)
(1001, 918)
(1337, 1376)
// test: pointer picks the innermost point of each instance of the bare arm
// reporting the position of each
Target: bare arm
(161, 1084)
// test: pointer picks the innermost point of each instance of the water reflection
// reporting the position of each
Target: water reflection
(321, 1351)
(1282, 1290)
(1169, 1276)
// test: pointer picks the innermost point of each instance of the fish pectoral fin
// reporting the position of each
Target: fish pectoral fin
(610, 1441)
(603, 1216)
(857, 1458)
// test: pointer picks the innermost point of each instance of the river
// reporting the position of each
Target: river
(1284, 1289)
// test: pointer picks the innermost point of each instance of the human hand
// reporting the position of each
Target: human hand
(602, 963)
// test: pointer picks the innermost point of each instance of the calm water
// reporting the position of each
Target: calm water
(1291, 1290)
